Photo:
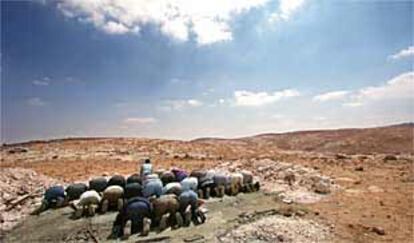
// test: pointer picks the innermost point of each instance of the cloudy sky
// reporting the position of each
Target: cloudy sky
(186, 69)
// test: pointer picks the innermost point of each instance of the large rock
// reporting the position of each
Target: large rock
(322, 186)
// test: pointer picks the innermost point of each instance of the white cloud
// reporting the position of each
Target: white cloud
(320, 118)
(210, 31)
(286, 9)
(277, 116)
(248, 98)
(209, 21)
(352, 104)
(194, 103)
(139, 120)
(329, 96)
(403, 53)
(181, 104)
(36, 101)
(399, 87)
(40, 83)
(116, 28)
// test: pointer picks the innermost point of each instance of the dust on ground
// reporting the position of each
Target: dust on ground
(224, 217)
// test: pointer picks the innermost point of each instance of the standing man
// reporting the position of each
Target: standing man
(146, 168)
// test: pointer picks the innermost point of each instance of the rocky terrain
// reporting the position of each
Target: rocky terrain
(350, 185)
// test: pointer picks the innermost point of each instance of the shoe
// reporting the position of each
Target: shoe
(105, 206)
(207, 196)
(146, 226)
(120, 204)
(163, 222)
(201, 217)
(91, 210)
(200, 193)
(187, 218)
(179, 219)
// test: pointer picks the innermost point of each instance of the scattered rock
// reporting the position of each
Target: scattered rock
(359, 168)
(14, 184)
(390, 157)
(299, 183)
(289, 176)
(278, 229)
(378, 230)
(322, 187)
(375, 189)
(194, 238)
(300, 213)
(16, 150)
(408, 179)
(341, 156)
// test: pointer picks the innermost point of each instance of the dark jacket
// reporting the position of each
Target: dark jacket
(98, 184)
(179, 174)
(137, 208)
(74, 191)
(133, 190)
(134, 209)
(117, 180)
(53, 193)
(167, 177)
(134, 178)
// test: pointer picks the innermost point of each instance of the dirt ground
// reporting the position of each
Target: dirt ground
(224, 215)
(373, 201)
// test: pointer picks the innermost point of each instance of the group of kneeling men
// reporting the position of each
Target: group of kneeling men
(149, 199)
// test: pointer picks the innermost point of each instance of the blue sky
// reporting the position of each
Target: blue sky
(186, 69)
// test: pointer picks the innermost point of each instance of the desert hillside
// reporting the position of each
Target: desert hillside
(347, 185)
(394, 139)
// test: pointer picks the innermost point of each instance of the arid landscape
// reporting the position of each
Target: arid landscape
(246, 121)
(349, 185)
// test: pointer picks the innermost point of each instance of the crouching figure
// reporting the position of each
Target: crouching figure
(249, 183)
(87, 204)
(206, 185)
(136, 209)
(189, 183)
(112, 197)
(117, 180)
(165, 211)
(54, 197)
(133, 190)
(189, 208)
(236, 183)
(98, 184)
(172, 188)
(167, 177)
(222, 184)
(179, 174)
(134, 178)
(74, 191)
(152, 186)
